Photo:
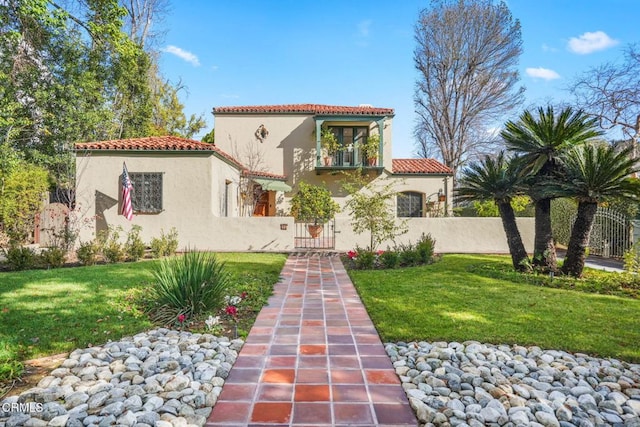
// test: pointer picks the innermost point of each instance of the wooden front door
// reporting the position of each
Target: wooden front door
(265, 204)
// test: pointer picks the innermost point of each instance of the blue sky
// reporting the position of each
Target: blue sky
(351, 52)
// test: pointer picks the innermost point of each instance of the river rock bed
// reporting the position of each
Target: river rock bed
(474, 384)
(158, 378)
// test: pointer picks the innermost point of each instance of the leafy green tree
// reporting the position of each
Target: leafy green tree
(498, 180)
(371, 209)
(21, 199)
(488, 208)
(210, 138)
(591, 174)
(168, 112)
(540, 141)
(313, 203)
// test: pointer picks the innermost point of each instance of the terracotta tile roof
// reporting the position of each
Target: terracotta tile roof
(262, 174)
(170, 143)
(419, 166)
(150, 143)
(362, 110)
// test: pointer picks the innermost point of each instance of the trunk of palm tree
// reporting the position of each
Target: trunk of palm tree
(579, 240)
(514, 240)
(544, 250)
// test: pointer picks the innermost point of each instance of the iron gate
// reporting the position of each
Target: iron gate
(611, 233)
(310, 236)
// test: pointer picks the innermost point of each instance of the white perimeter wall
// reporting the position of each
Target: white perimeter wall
(452, 234)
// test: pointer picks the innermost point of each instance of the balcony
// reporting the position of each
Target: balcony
(347, 159)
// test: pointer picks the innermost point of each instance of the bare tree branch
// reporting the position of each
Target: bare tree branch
(611, 93)
(467, 55)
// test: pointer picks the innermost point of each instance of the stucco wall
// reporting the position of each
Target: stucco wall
(452, 234)
(191, 190)
(427, 185)
(290, 148)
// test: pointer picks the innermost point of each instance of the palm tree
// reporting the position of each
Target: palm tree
(540, 142)
(497, 180)
(592, 174)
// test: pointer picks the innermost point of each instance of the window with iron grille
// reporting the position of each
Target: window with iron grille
(409, 204)
(146, 196)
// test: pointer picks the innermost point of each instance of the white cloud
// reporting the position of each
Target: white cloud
(215, 68)
(182, 54)
(591, 42)
(542, 73)
(547, 48)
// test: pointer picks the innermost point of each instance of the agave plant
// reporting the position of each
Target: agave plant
(190, 285)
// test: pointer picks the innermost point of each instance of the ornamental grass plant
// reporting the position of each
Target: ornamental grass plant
(188, 285)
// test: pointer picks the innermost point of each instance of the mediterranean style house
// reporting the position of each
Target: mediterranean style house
(260, 155)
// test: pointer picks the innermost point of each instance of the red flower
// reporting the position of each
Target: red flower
(181, 318)
(352, 254)
(380, 252)
(231, 311)
(243, 295)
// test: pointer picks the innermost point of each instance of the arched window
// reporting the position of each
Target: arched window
(409, 204)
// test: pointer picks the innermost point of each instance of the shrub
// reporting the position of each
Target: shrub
(425, 247)
(389, 259)
(408, 255)
(189, 285)
(87, 253)
(110, 245)
(53, 257)
(365, 259)
(20, 257)
(134, 247)
(165, 245)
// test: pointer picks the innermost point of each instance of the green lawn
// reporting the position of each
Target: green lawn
(462, 297)
(44, 312)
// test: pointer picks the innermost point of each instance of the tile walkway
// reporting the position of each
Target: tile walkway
(313, 358)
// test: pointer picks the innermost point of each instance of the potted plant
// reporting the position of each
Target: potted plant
(371, 148)
(330, 145)
(313, 204)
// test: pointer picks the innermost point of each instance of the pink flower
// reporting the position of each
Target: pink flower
(352, 254)
(380, 252)
(231, 311)
(181, 318)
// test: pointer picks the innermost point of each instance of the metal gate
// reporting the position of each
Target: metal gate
(310, 236)
(610, 235)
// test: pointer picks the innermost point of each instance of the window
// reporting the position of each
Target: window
(350, 137)
(409, 204)
(147, 192)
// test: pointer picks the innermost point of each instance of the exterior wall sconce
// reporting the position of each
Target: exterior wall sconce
(284, 227)
(261, 133)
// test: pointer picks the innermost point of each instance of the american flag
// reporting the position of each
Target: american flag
(127, 208)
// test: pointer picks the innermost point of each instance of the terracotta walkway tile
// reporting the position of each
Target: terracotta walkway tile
(279, 376)
(312, 413)
(313, 358)
(353, 413)
(379, 376)
(311, 393)
(275, 392)
(271, 412)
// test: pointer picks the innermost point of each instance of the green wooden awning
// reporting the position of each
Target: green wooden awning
(272, 184)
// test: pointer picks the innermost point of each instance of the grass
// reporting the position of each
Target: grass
(476, 297)
(45, 312)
